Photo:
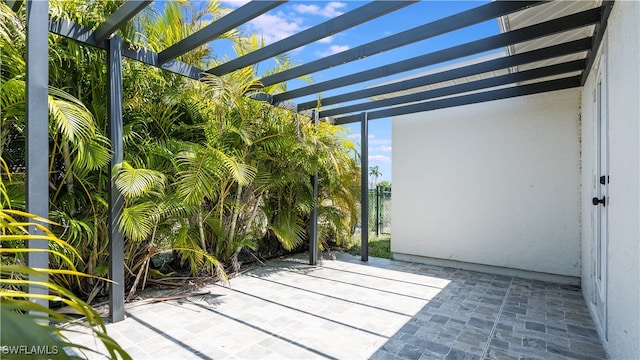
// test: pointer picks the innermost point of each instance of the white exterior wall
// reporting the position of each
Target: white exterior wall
(621, 47)
(495, 184)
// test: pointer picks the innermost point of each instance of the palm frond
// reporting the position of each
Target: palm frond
(94, 153)
(135, 220)
(22, 321)
(199, 176)
(71, 117)
(217, 266)
(289, 229)
(136, 182)
(243, 174)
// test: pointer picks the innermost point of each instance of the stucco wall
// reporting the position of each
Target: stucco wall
(495, 183)
(621, 47)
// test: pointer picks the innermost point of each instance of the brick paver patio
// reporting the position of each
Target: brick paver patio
(346, 309)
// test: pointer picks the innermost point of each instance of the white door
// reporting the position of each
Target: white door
(601, 199)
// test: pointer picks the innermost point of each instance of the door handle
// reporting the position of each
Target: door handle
(596, 201)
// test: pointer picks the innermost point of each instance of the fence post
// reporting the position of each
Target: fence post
(377, 193)
(383, 216)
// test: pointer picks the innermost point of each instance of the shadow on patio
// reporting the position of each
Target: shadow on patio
(346, 309)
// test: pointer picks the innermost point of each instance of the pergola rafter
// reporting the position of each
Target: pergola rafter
(345, 21)
(124, 13)
(229, 22)
(489, 95)
(457, 73)
(422, 32)
(495, 81)
(550, 27)
(591, 19)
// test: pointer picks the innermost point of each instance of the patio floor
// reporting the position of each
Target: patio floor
(346, 309)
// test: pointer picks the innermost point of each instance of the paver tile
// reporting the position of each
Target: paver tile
(346, 309)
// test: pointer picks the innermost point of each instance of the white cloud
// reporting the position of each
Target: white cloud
(379, 158)
(379, 142)
(306, 9)
(333, 49)
(384, 148)
(284, 23)
(235, 3)
(372, 140)
(330, 10)
(326, 40)
(275, 27)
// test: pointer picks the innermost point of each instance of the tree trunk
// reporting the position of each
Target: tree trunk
(66, 154)
(235, 214)
(203, 239)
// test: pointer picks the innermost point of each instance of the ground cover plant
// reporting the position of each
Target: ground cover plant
(379, 246)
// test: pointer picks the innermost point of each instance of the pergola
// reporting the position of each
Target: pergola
(553, 50)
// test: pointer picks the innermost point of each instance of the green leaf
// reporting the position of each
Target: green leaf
(71, 117)
(134, 183)
(135, 220)
(289, 229)
(94, 153)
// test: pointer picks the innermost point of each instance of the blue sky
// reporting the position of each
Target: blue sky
(296, 16)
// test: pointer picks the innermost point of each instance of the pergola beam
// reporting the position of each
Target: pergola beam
(546, 86)
(550, 27)
(345, 21)
(120, 17)
(528, 75)
(228, 22)
(37, 140)
(86, 36)
(567, 48)
(76, 32)
(423, 32)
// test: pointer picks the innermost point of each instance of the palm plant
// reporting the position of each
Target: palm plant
(78, 150)
(374, 173)
(26, 323)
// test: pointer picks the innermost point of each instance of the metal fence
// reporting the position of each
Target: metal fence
(380, 210)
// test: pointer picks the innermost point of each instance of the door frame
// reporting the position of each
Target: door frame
(602, 190)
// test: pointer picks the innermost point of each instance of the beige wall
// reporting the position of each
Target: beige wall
(620, 328)
(494, 184)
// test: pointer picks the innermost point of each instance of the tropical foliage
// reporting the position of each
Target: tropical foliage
(208, 172)
(28, 326)
(374, 174)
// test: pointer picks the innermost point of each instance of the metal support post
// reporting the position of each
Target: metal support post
(116, 203)
(364, 187)
(313, 218)
(37, 137)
